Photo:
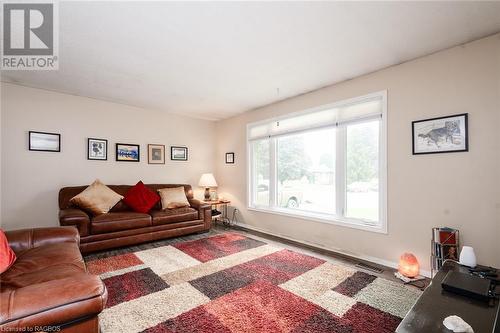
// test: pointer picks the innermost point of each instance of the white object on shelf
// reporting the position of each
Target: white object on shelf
(457, 325)
(468, 257)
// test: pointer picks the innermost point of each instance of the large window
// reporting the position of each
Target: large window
(326, 164)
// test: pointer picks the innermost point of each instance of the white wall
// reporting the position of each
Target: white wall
(31, 180)
(460, 190)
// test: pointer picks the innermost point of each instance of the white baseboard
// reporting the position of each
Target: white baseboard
(374, 260)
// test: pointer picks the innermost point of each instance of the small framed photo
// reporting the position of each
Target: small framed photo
(97, 149)
(229, 158)
(42, 141)
(450, 252)
(126, 152)
(178, 153)
(441, 135)
(156, 154)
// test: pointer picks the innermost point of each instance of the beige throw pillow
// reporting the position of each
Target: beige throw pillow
(173, 197)
(97, 198)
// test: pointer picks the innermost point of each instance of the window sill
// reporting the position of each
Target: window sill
(324, 218)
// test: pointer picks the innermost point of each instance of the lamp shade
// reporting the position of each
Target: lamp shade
(408, 265)
(207, 180)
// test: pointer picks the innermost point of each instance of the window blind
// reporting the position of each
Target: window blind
(334, 115)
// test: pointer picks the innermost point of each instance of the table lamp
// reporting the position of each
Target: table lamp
(207, 181)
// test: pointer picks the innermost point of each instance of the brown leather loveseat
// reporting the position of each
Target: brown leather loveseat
(122, 226)
(48, 288)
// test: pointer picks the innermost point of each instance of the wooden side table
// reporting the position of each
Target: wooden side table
(222, 205)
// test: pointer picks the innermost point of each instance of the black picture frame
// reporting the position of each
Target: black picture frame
(230, 158)
(177, 158)
(136, 156)
(434, 135)
(32, 144)
(93, 158)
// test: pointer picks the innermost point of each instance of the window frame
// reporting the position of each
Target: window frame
(341, 220)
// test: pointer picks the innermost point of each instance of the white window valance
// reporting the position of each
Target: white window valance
(331, 115)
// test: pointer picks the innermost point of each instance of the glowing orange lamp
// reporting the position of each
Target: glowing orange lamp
(408, 265)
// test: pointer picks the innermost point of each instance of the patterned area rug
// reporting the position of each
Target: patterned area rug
(231, 283)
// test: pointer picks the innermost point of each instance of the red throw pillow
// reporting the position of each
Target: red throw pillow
(140, 198)
(7, 256)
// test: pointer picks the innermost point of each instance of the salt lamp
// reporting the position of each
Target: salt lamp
(408, 265)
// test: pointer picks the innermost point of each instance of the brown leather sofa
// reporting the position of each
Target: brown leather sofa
(48, 288)
(122, 226)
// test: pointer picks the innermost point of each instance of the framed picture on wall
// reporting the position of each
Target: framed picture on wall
(126, 152)
(156, 154)
(229, 158)
(97, 149)
(441, 135)
(178, 153)
(43, 141)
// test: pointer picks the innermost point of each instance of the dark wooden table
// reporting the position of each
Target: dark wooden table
(222, 217)
(435, 304)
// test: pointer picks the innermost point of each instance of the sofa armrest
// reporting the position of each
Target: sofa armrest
(53, 302)
(204, 212)
(75, 217)
(199, 205)
(23, 239)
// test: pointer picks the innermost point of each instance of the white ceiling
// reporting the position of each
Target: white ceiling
(216, 59)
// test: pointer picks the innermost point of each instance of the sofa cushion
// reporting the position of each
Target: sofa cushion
(174, 215)
(110, 222)
(140, 198)
(97, 198)
(44, 263)
(7, 255)
(173, 197)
